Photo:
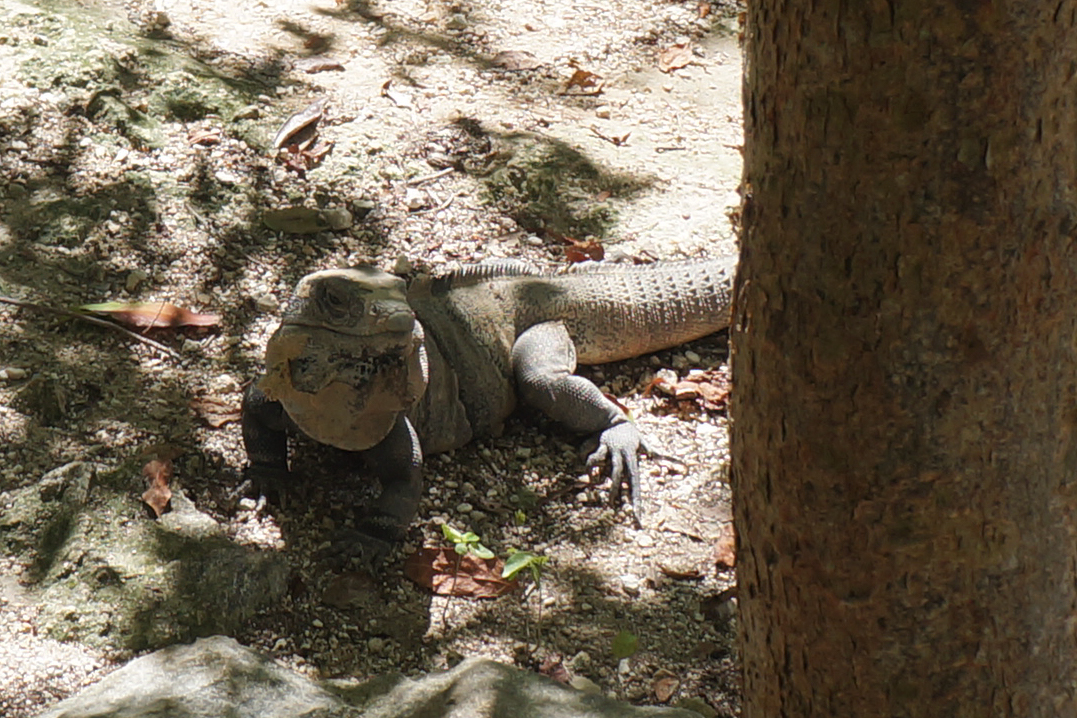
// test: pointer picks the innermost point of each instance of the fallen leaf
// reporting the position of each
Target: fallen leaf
(400, 99)
(305, 155)
(725, 550)
(145, 315)
(584, 251)
(515, 60)
(664, 684)
(215, 412)
(553, 667)
(299, 121)
(681, 574)
(157, 472)
(586, 81)
(305, 220)
(205, 138)
(709, 388)
(311, 65)
(447, 573)
(675, 57)
(703, 9)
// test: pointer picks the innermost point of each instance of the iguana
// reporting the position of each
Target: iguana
(365, 362)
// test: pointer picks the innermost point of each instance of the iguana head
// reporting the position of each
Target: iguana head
(348, 357)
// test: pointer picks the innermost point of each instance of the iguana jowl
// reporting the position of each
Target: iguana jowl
(364, 362)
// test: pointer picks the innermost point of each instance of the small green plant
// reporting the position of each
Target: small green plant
(520, 560)
(625, 644)
(465, 543)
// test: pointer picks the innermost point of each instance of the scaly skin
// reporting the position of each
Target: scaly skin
(363, 364)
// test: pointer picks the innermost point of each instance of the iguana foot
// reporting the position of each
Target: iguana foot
(621, 445)
(272, 482)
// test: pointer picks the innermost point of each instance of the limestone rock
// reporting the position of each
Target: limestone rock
(217, 676)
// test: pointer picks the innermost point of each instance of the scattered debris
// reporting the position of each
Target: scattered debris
(675, 57)
(151, 315)
(158, 472)
(305, 220)
(447, 573)
(515, 60)
(588, 82)
(305, 118)
(399, 98)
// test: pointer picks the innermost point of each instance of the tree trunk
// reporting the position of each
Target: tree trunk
(905, 413)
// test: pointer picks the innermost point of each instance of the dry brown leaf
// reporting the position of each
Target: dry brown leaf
(553, 667)
(689, 574)
(725, 550)
(703, 9)
(709, 388)
(447, 573)
(586, 81)
(311, 65)
(664, 684)
(206, 138)
(400, 99)
(307, 117)
(146, 315)
(157, 472)
(675, 57)
(215, 412)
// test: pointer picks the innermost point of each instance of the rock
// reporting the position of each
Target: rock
(266, 302)
(134, 279)
(211, 677)
(216, 676)
(114, 579)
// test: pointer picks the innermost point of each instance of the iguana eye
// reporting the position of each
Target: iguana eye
(332, 303)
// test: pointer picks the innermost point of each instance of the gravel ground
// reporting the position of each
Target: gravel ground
(441, 153)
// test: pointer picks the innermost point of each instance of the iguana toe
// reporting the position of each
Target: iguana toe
(620, 445)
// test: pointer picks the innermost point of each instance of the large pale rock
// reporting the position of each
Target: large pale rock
(218, 677)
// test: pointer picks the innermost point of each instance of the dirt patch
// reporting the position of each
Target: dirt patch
(137, 164)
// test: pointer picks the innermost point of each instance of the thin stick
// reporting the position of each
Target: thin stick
(92, 320)
(430, 178)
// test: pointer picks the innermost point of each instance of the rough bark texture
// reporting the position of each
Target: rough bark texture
(904, 423)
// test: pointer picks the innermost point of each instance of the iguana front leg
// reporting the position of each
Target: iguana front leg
(265, 437)
(396, 462)
(543, 359)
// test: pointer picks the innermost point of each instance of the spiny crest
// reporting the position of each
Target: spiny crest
(476, 273)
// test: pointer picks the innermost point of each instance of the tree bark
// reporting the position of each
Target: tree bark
(905, 409)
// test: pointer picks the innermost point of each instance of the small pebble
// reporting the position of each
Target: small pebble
(266, 303)
(602, 112)
(134, 278)
(13, 373)
(317, 623)
(691, 356)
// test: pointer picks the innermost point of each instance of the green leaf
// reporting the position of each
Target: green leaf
(519, 560)
(452, 534)
(481, 551)
(625, 644)
(519, 517)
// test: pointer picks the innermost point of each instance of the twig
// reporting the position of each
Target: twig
(415, 181)
(92, 320)
(438, 208)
